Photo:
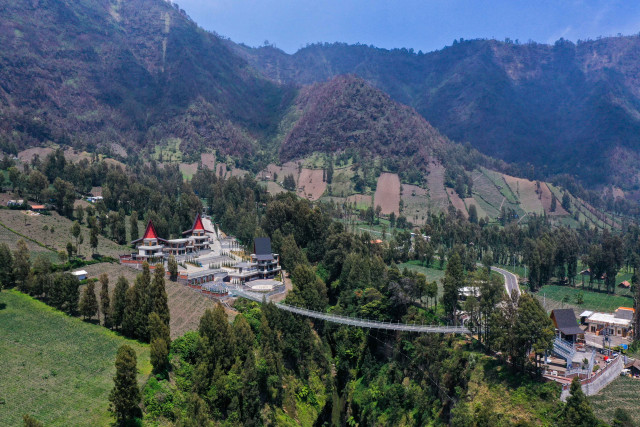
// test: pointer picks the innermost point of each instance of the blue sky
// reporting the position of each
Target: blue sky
(419, 24)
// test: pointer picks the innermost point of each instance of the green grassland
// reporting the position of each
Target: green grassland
(596, 301)
(56, 368)
(623, 392)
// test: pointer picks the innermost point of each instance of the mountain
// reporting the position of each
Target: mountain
(348, 113)
(563, 108)
(90, 73)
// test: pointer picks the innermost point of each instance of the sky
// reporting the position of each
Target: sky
(425, 25)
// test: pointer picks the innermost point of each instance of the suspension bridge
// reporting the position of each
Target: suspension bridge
(511, 285)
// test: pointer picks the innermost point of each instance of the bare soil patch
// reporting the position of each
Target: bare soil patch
(310, 184)
(208, 160)
(388, 193)
(435, 182)
(457, 202)
(525, 191)
(546, 198)
(26, 156)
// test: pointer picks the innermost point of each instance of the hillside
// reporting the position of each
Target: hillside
(517, 102)
(55, 367)
(91, 73)
(348, 113)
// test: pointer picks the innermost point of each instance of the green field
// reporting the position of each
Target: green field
(624, 392)
(595, 301)
(56, 368)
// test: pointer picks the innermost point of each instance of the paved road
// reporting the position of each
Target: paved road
(510, 280)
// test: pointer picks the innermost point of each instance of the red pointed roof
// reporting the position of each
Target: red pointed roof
(149, 233)
(197, 225)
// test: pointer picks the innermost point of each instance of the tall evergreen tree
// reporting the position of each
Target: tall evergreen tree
(89, 302)
(172, 266)
(125, 397)
(160, 339)
(133, 226)
(105, 301)
(158, 295)
(130, 313)
(22, 266)
(452, 282)
(6, 266)
(119, 303)
(577, 412)
(144, 303)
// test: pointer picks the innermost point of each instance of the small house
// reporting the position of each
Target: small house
(624, 284)
(633, 367)
(37, 208)
(80, 274)
(14, 203)
(566, 324)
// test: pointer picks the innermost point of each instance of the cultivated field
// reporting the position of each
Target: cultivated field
(525, 191)
(546, 201)
(188, 169)
(479, 209)
(457, 202)
(310, 184)
(56, 368)
(186, 306)
(273, 187)
(341, 184)
(208, 160)
(289, 168)
(623, 392)
(388, 193)
(361, 201)
(26, 156)
(33, 227)
(595, 301)
(416, 203)
(439, 202)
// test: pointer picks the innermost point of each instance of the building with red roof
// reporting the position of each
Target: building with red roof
(150, 246)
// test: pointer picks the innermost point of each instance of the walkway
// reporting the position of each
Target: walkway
(372, 324)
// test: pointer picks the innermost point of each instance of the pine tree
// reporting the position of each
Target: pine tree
(160, 341)
(6, 266)
(133, 226)
(244, 336)
(130, 313)
(105, 302)
(577, 412)
(93, 239)
(22, 266)
(452, 282)
(125, 396)
(143, 303)
(172, 266)
(89, 302)
(119, 303)
(159, 297)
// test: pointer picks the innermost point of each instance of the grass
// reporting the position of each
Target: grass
(595, 301)
(623, 392)
(56, 368)
(432, 274)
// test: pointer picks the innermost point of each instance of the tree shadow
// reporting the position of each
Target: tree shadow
(3, 305)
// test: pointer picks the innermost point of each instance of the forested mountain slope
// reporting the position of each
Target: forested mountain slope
(137, 72)
(562, 108)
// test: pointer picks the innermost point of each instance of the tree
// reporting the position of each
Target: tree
(291, 254)
(577, 411)
(119, 302)
(487, 261)
(452, 282)
(105, 302)
(70, 250)
(22, 266)
(160, 339)
(473, 214)
(93, 239)
(80, 214)
(42, 279)
(159, 297)
(432, 291)
(308, 289)
(554, 203)
(533, 330)
(29, 421)
(621, 418)
(172, 266)
(125, 397)
(6, 266)
(289, 183)
(133, 226)
(37, 184)
(89, 303)
(75, 231)
(566, 202)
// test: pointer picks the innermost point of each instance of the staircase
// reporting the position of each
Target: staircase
(564, 349)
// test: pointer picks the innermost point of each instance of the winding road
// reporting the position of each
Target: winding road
(510, 281)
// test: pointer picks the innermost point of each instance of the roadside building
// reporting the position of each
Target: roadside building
(80, 274)
(616, 324)
(566, 324)
(263, 264)
(624, 284)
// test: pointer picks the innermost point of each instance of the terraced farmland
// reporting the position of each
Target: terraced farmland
(416, 203)
(439, 201)
(525, 191)
(388, 193)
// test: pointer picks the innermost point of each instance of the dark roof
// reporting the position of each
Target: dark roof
(264, 257)
(262, 246)
(565, 320)
(623, 314)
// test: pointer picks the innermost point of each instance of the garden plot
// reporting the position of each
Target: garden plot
(310, 184)
(388, 193)
(439, 202)
(457, 202)
(360, 201)
(188, 169)
(479, 209)
(208, 160)
(525, 191)
(416, 203)
(341, 185)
